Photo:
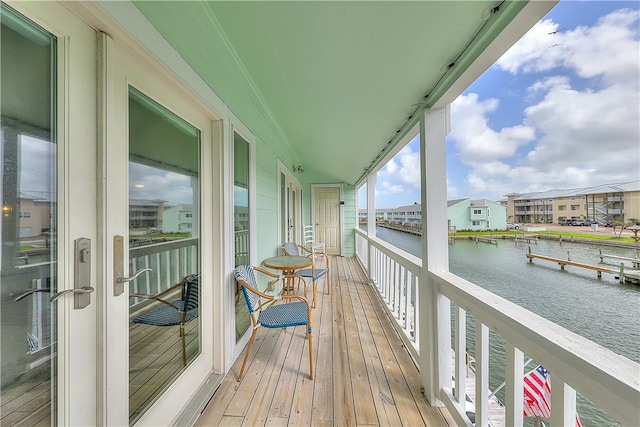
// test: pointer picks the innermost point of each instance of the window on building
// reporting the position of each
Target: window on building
(575, 207)
(475, 223)
(477, 211)
(25, 214)
(562, 207)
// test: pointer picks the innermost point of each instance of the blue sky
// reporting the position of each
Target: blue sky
(560, 109)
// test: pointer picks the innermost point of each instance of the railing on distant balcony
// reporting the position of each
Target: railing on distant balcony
(169, 261)
(608, 380)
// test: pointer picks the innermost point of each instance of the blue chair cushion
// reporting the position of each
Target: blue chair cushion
(283, 315)
(166, 316)
(307, 272)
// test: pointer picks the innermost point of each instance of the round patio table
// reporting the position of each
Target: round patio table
(288, 265)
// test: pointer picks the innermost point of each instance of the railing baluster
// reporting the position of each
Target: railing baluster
(563, 403)
(461, 355)
(482, 374)
(514, 372)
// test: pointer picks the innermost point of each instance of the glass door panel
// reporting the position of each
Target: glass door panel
(48, 205)
(28, 223)
(241, 224)
(164, 245)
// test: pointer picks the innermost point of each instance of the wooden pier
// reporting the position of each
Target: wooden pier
(491, 240)
(628, 277)
(635, 262)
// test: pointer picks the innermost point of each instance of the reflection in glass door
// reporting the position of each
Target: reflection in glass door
(241, 222)
(164, 245)
(28, 223)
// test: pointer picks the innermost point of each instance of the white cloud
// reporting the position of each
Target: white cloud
(586, 127)
(476, 141)
(403, 168)
(608, 49)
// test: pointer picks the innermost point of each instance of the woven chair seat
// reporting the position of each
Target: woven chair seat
(284, 315)
(166, 315)
(307, 272)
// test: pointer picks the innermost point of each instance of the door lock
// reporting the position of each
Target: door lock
(82, 275)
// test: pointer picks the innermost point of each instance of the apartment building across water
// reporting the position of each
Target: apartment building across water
(601, 204)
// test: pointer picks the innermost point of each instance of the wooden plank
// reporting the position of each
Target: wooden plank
(258, 411)
(322, 411)
(362, 398)
(383, 403)
(264, 343)
(343, 413)
(405, 378)
(303, 399)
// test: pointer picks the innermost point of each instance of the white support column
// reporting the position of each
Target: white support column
(372, 178)
(434, 317)
(371, 220)
(514, 393)
(563, 404)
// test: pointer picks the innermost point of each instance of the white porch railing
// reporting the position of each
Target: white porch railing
(170, 262)
(608, 380)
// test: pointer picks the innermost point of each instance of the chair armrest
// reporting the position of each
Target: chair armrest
(267, 272)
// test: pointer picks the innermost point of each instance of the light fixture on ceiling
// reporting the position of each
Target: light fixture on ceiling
(298, 169)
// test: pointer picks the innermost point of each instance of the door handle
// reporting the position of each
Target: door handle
(82, 290)
(128, 279)
(118, 267)
(30, 292)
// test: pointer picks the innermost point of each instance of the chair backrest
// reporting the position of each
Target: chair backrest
(291, 249)
(308, 235)
(244, 274)
(191, 293)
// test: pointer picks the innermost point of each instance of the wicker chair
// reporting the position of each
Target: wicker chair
(264, 311)
(313, 273)
(178, 312)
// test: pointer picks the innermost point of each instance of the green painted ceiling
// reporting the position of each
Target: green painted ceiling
(334, 81)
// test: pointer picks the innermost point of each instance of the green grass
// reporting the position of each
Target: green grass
(577, 235)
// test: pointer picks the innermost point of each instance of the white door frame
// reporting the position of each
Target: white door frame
(290, 180)
(123, 72)
(76, 389)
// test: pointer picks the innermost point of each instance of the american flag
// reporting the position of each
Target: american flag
(537, 394)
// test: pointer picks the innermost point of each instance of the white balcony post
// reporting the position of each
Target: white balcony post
(434, 332)
(371, 221)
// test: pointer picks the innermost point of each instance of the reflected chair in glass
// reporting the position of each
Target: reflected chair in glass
(264, 311)
(178, 312)
(313, 273)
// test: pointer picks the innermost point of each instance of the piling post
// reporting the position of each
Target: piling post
(622, 272)
(530, 258)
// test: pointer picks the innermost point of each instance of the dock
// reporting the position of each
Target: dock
(491, 240)
(624, 277)
(635, 262)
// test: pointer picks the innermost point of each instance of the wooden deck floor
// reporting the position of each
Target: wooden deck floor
(363, 373)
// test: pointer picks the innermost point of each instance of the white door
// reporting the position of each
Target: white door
(327, 218)
(48, 127)
(157, 142)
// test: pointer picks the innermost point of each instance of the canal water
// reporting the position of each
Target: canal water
(600, 309)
